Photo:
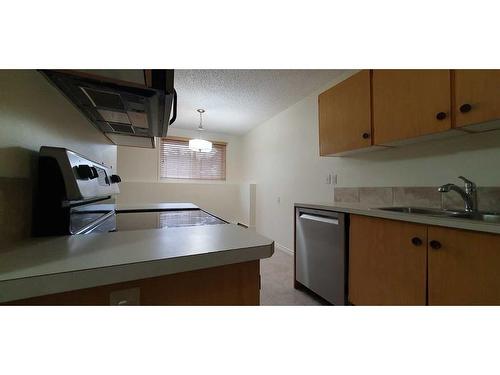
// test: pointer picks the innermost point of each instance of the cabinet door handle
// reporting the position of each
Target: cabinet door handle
(441, 115)
(464, 108)
(416, 241)
(436, 245)
(366, 135)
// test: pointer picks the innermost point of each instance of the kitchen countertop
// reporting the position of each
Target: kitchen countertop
(47, 265)
(359, 209)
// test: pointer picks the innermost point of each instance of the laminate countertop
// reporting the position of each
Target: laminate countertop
(359, 209)
(47, 265)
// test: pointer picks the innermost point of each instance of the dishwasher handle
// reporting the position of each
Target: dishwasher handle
(322, 219)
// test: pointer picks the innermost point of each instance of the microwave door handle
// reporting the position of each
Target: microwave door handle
(322, 219)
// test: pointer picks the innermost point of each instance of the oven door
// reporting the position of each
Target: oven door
(85, 221)
(107, 224)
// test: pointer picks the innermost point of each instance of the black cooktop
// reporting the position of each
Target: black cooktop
(162, 219)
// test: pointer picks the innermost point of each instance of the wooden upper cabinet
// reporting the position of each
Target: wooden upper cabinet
(465, 269)
(477, 96)
(387, 262)
(345, 116)
(410, 103)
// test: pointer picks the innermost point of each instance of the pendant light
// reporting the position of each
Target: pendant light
(199, 144)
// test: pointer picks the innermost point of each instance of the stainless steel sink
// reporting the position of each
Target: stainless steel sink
(488, 217)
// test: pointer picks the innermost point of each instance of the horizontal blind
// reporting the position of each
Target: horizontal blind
(178, 161)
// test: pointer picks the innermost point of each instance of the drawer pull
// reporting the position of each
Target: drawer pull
(436, 245)
(416, 241)
(441, 115)
(464, 108)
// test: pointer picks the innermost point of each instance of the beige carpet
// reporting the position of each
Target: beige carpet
(277, 283)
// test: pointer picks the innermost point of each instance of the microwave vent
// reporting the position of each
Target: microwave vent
(114, 116)
(127, 112)
(104, 99)
(121, 128)
(141, 131)
(138, 119)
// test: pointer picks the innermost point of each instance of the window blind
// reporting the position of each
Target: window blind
(178, 161)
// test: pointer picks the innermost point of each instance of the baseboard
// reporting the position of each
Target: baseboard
(283, 248)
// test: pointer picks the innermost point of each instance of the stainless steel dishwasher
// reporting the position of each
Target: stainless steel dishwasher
(321, 255)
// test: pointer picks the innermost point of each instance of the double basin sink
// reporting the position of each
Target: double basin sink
(487, 217)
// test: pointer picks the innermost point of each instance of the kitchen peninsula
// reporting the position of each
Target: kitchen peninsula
(196, 265)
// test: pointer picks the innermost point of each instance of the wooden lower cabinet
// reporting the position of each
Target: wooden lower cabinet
(465, 270)
(234, 284)
(445, 266)
(385, 266)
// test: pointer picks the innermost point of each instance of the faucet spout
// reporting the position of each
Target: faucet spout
(445, 188)
(468, 194)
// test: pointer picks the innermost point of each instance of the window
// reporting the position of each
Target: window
(178, 161)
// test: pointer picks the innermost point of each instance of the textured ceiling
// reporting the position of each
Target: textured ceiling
(238, 100)
(235, 100)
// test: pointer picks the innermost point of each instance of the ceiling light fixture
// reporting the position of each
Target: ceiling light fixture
(199, 144)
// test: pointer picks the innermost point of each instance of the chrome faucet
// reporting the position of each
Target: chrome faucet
(468, 193)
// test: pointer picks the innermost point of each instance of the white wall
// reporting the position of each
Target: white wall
(282, 157)
(139, 170)
(247, 204)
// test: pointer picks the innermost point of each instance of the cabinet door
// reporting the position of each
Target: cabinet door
(344, 116)
(477, 96)
(387, 262)
(410, 103)
(465, 270)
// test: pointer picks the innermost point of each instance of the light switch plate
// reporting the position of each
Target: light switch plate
(125, 297)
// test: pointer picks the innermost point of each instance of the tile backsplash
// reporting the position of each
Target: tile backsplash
(346, 195)
(425, 196)
(417, 196)
(376, 197)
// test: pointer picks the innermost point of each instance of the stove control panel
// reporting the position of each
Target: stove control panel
(83, 178)
(88, 172)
